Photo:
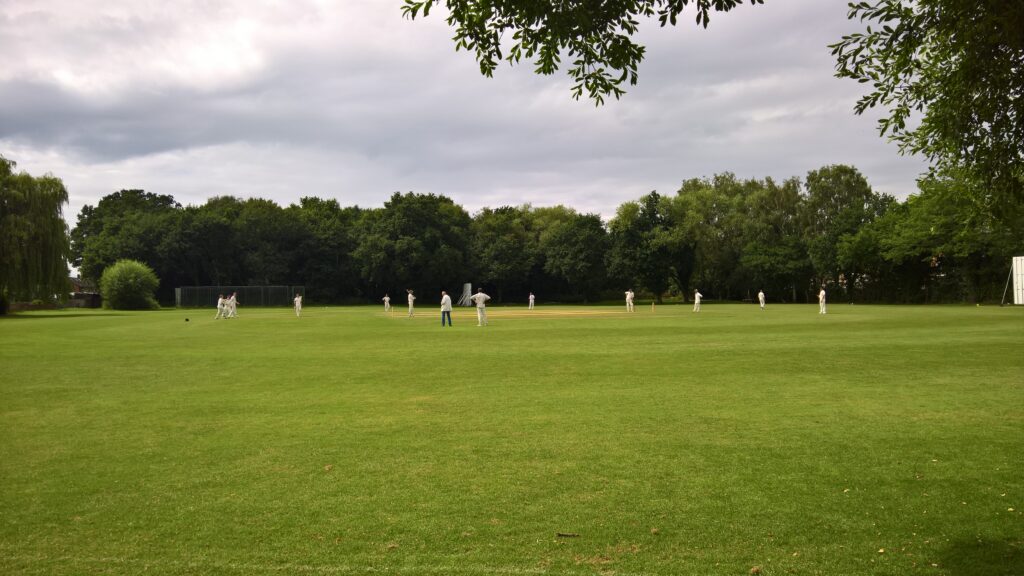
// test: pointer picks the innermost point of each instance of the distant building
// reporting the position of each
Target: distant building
(83, 294)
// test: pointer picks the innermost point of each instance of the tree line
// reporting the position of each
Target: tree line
(726, 236)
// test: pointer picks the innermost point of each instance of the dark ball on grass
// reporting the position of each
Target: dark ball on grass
(186, 319)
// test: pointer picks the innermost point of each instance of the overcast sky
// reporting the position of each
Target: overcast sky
(345, 99)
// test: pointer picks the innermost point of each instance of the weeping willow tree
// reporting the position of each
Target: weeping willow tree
(34, 246)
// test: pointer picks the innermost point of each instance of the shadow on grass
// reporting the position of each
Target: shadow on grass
(984, 557)
(52, 315)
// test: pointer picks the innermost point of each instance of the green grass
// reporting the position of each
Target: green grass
(351, 442)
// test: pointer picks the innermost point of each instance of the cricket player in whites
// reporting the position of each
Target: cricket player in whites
(821, 302)
(481, 306)
(411, 300)
(298, 305)
(232, 306)
(696, 300)
(222, 307)
(760, 298)
(532, 300)
(387, 302)
(629, 300)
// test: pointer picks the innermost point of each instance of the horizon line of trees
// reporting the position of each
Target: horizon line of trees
(723, 235)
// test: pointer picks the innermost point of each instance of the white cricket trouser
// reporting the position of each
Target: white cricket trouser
(821, 308)
(298, 311)
(696, 306)
(410, 311)
(531, 305)
(481, 317)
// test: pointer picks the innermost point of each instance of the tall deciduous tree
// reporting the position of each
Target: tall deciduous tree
(503, 248)
(859, 255)
(708, 214)
(839, 202)
(34, 246)
(328, 268)
(210, 232)
(638, 252)
(773, 249)
(418, 241)
(595, 37)
(574, 253)
(269, 241)
(132, 224)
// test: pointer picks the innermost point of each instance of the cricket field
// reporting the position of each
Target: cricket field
(563, 441)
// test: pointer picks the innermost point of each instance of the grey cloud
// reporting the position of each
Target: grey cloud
(396, 109)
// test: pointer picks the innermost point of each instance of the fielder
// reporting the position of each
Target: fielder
(232, 306)
(696, 300)
(760, 298)
(629, 300)
(298, 305)
(222, 304)
(532, 299)
(481, 307)
(387, 302)
(821, 302)
(411, 300)
(446, 308)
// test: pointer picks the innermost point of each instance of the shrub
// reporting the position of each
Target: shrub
(129, 285)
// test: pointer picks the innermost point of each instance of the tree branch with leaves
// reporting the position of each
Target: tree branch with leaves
(596, 37)
(949, 75)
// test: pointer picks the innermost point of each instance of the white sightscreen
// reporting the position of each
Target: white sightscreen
(1018, 279)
